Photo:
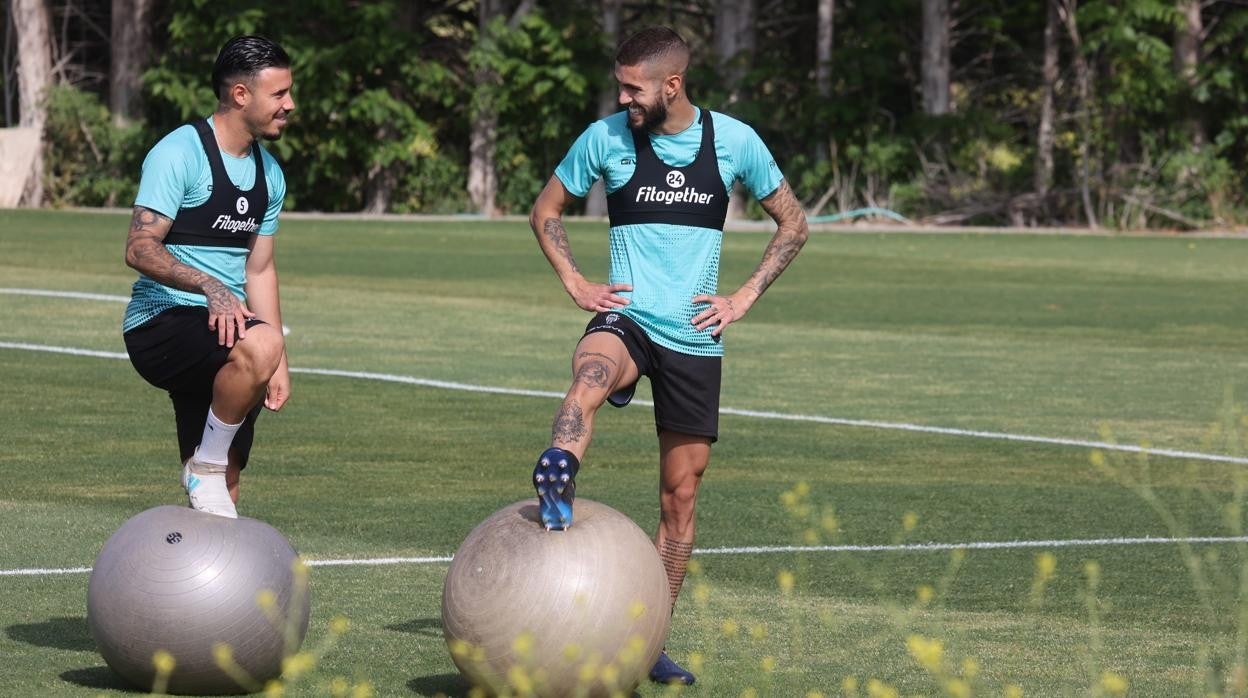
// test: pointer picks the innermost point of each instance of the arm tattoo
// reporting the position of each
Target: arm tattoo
(569, 426)
(791, 233)
(145, 252)
(146, 220)
(558, 236)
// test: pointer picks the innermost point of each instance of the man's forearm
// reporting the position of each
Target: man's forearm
(146, 254)
(790, 236)
(553, 238)
(784, 246)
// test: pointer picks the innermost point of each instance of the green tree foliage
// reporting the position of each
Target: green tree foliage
(375, 92)
(90, 161)
(385, 92)
(542, 94)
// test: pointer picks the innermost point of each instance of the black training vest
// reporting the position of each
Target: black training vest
(692, 195)
(230, 215)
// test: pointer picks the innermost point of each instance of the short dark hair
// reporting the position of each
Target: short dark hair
(652, 43)
(245, 56)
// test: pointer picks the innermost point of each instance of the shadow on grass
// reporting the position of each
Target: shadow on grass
(427, 627)
(98, 677)
(451, 685)
(67, 633)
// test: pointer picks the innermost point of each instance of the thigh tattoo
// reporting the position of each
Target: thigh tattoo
(595, 374)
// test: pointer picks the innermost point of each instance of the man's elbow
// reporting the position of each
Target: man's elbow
(537, 217)
(533, 218)
(133, 256)
(801, 230)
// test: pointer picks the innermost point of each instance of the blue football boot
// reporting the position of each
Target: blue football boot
(669, 672)
(555, 480)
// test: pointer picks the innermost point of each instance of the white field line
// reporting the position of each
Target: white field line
(756, 414)
(757, 550)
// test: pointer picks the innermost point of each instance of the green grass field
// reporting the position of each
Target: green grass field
(1137, 340)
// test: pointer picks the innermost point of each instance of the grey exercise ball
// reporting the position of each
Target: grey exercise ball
(584, 611)
(175, 582)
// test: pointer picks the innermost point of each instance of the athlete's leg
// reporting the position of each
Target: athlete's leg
(211, 475)
(683, 459)
(241, 383)
(231, 476)
(240, 451)
(601, 364)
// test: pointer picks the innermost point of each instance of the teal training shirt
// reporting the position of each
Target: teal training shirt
(667, 265)
(177, 175)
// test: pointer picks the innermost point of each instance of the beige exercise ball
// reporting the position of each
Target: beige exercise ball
(579, 612)
(223, 601)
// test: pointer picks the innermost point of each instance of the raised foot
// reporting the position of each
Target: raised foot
(205, 487)
(554, 478)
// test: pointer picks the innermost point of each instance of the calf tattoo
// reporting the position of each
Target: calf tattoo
(675, 555)
(569, 426)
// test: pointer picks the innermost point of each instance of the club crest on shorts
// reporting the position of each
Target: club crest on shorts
(610, 319)
(241, 205)
(675, 179)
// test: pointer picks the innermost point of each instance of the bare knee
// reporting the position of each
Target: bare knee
(259, 353)
(678, 505)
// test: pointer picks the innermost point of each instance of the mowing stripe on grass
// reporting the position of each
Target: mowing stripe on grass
(758, 550)
(980, 545)
(351, 562)
(65, 294)
(755, 414)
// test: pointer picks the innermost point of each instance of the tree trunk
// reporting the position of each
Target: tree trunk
(483, 138)
(1187, 43)
(823, 72)
(608, 98)
(823, 48)
(380, 180)
(482, 177)
(1048, 78)
(131, 33)
(935, 63)
(734, 49)
(483, 141)
(734, 42)
(34, 76)
(1083, 79)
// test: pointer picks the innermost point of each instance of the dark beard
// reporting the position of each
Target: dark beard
(654, 116)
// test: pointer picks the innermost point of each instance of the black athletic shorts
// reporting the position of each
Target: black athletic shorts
(176, 351)
(685, 387)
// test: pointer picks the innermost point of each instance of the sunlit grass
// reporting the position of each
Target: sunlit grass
(1131, 340)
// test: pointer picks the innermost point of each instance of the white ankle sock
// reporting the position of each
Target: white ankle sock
(214, 447)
